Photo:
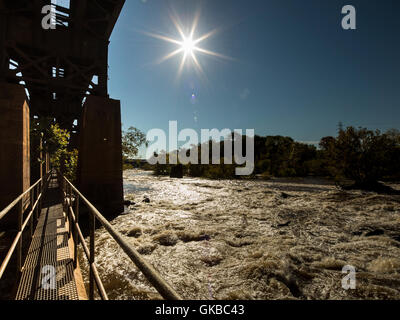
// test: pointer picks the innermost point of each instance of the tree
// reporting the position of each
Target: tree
(301, 158)
(328, 158)
(38, 133)
(131, 142)
(362, 155)
(393, 167)
(279, 151)
(56, 144)
(62, 159)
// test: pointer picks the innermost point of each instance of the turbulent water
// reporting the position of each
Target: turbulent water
(237, 239)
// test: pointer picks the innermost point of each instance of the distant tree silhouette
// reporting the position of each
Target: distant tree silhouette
(131, 142)
(362, 155)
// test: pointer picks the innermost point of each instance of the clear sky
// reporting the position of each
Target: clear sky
(294, 71)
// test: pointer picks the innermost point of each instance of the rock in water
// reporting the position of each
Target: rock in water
(377, 232)
(177, 171)
(146, 200)
(283, 224)
(134, 232)
(127, 203)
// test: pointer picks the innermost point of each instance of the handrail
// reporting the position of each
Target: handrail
(35, 207)
(15, 202)
(93, 267)
(165, 290)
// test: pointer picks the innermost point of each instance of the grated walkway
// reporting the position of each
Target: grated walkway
(48, 272)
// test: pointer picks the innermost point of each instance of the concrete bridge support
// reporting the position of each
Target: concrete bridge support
(14, 146)
(100, 155)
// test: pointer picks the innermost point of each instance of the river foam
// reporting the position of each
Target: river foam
(241, 239)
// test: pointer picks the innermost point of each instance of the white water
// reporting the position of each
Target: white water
(223, 240)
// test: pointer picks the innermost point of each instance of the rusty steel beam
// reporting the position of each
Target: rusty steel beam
(79, 50)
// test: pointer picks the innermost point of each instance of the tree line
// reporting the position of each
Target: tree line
(356, 156)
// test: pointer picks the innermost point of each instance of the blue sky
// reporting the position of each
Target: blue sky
(294, 72)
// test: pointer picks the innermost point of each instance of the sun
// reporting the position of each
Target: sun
(187, 45)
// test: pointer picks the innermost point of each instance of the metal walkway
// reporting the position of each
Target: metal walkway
(48, 272)
(51, 270)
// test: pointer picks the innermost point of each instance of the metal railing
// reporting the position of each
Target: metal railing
(35, 194)
(73, 198)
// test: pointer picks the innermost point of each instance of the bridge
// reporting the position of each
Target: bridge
(54, 65)
(49, 269)
(60, 73)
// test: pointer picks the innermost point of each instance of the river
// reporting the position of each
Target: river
(253, 239)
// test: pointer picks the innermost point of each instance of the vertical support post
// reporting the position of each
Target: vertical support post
(14, 145)
(61, 180)
(19, 245)
(41, 196)
(47, 162)
(64, 194)
(76, 241)
(92, 223)
(101, 181)
(32, 200)
(36, 209)
(41, 156)
(69, 216)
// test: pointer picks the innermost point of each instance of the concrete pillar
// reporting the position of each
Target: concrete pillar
(100, 155)
(14, 145)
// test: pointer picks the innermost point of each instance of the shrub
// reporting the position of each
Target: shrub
(362, 155)
(127, 166)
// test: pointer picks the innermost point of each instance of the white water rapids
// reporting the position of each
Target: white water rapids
(242, 239)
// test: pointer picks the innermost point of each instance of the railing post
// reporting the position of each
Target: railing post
(37, 207)
(64, 195)
(92, 222)
(69, 205)
(41, 156)
(19, 245)
(32, 201)
(69, 212)
(76, 239)
(41, 196)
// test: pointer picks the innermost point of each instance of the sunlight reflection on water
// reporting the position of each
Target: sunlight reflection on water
(243, 221)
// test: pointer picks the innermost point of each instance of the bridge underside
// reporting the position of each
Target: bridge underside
(64, 74)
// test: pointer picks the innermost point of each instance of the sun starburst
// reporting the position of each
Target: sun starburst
(188, 46)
